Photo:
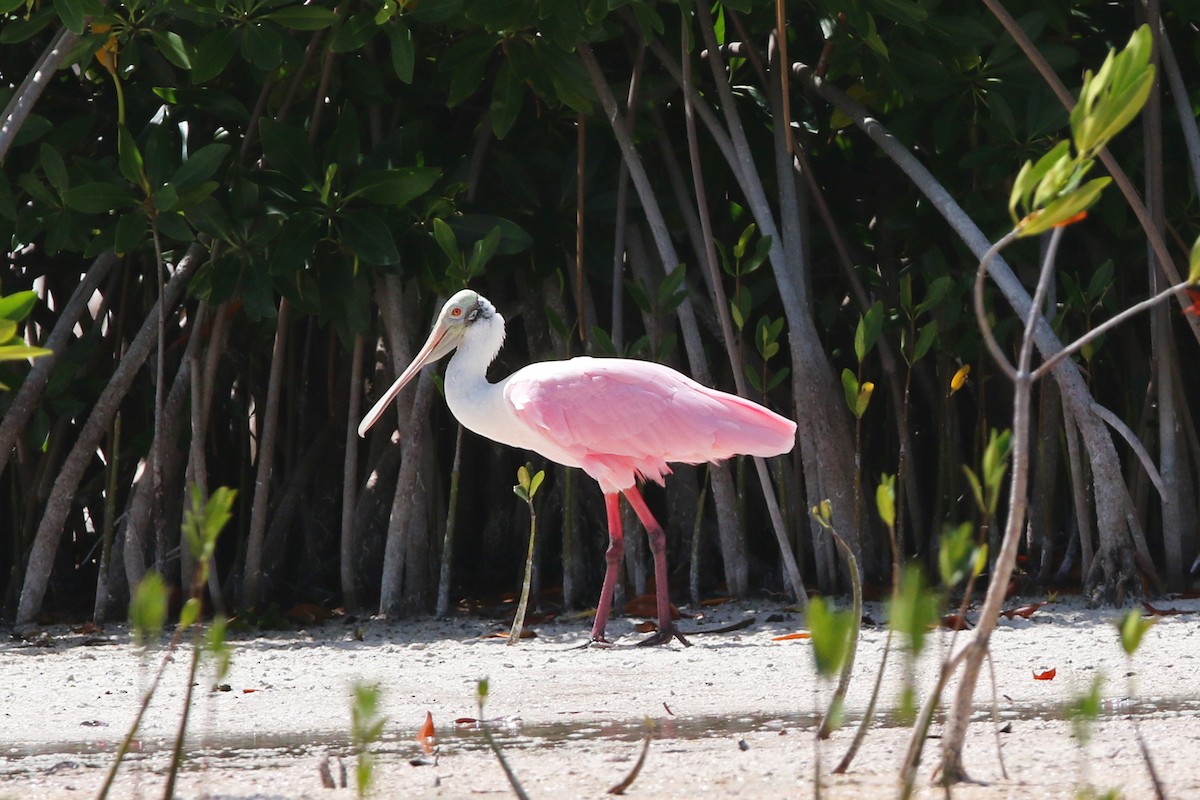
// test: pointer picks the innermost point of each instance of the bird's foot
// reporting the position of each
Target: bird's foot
(664, 635)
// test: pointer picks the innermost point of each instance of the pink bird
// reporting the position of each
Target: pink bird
(619, 420)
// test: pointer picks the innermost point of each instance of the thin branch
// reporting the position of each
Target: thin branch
(1118, 424)
(31, 88)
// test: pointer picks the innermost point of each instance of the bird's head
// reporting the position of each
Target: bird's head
(454, 322)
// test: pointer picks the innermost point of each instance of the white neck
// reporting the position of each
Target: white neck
(476, 403)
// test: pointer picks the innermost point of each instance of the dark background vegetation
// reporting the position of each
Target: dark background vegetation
(277, 171)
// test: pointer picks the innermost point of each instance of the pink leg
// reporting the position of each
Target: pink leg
(658, 546)
(616, 549)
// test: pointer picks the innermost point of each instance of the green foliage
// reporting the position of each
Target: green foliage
(1133, 627)
(995, 466)
(148, 608)
(13, 309)
(1084, 710)
(831, 631)
(959, 556)
(914, 610)
(1050, 192)
(526, 488)
(858, 395)
(885, 499)
(366, 728)
(203, 523)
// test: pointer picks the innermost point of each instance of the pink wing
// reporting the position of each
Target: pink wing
(619, 419)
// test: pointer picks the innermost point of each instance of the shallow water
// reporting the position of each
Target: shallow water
(512, 734)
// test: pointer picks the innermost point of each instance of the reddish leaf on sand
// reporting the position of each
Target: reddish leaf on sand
(466, 721)
(249, 691)
(645, 627)
(668, 709)
(1025, 612)
(646, 605)
(714, 601)
(1162, 612)
(955, 622)
(787, 637)
(1048, 675)
(425, 736)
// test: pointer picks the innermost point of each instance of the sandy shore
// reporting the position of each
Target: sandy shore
(732, 716)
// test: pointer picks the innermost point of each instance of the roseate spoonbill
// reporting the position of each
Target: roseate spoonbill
(617, 419)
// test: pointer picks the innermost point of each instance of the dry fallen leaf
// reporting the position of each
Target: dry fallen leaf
(1025, 612)
(307, 613)
(1162, 612)
(1048, 675)
(526, 633)
(645, 627)
(954, 622)
(466, 721)
(426, 735)
(787, 637)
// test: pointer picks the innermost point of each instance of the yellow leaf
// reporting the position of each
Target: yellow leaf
(960, 378)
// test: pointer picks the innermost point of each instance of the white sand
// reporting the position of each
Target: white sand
(739, 722)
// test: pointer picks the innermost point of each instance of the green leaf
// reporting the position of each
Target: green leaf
(213, 54)
(303, 17)
(925, 340)
(353, 33)
(1194, 263)
(508, 94)
(366, 233)
(98, 198)
(173, 48)
(130, 232)
(513, 238)
(1030, 176)
(914, 610)
(216, 644)
(73, 14)
(885, 500)
(536, 482)
(443, 234)
(16, 306)
(1101, 280)
(189, 613)
(956, 553)
(482, 252)
(404, 52)
(200, 166)
(976, 487)
(1064, 208)
(288, 151)
(54, 168)
(129, 157)
(8, 330)
(831, 634)
(1133, 627)
(850, 389)
(433, 12)
(938, 289)
(395, 187)
(464, 62)
(21, 352)
(262, 45)
(148, 608)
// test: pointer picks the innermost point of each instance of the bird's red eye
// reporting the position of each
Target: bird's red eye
(456, 312)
